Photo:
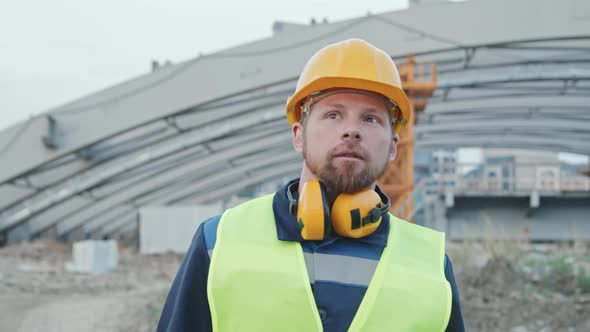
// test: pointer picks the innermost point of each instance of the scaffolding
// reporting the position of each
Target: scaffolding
(419, 83)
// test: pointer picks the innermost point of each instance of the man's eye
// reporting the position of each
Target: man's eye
(372, 119)
(333, 115)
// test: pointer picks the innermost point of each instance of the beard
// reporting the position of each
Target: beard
(345, 178)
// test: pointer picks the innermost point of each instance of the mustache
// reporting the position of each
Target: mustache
(349, 148)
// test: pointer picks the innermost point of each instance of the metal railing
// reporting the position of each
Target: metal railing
(508, 177)
(494, 179)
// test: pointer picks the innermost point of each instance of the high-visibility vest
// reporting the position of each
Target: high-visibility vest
(259, 283)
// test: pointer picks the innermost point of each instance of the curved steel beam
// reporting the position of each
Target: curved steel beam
(230, 185)
(166, 180)
(532, 126)
(235, 187)
(559, 102)
(478, 140)
(46, 198)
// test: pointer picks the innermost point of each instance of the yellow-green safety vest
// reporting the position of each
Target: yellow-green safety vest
(259, 283)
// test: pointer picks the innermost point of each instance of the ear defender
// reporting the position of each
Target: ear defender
(353, 215)
(312, 210)
(357, 215)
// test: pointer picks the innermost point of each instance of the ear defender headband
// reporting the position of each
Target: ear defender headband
(353, 215)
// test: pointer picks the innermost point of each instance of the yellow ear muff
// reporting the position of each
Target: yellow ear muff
(356, 215)
(353, 215)
(313, 211)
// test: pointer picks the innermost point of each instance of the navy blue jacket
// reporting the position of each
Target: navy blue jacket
(339, 269)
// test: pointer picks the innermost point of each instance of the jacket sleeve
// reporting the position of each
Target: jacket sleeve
(456, 320)
(187, 307)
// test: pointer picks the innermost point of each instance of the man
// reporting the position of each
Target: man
(323, 254)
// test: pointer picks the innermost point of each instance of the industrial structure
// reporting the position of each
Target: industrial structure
(419, 83)
(511, 74)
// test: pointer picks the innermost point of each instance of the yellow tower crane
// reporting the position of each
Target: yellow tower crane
(398, 181)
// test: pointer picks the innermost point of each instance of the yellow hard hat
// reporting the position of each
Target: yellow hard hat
(350, 64)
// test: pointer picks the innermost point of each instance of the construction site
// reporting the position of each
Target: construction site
(100, 198)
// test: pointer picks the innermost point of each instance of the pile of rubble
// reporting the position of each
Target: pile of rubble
(517, 287)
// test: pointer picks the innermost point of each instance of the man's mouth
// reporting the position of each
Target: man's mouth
(349, 154)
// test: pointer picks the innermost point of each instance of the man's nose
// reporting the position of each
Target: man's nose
(351, 134)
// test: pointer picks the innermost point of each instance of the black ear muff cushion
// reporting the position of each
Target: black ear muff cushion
(385, 201)
(327, 218)
(291, 190)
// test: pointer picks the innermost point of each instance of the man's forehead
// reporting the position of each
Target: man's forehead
(366, 100)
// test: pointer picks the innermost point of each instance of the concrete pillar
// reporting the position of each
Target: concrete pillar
(449, 198)
(535, 200)
(440, 217)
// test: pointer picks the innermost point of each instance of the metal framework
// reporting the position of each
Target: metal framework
(207, 128)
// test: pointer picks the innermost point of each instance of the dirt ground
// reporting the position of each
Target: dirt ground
(504, 286)
(38, 294)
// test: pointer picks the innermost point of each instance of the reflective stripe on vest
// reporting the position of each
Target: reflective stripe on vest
(259, 283)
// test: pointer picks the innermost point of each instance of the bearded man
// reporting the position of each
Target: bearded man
(323, 253)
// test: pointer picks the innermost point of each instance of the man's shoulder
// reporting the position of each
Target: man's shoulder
(264, 200)
(414, 226)
(209, 226)
(209, 231)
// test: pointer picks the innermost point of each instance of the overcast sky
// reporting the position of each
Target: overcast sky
(52, 52)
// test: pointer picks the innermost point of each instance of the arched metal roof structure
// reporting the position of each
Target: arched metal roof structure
(512, 73)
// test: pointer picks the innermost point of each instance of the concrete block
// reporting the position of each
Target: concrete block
(94, 256)
(171, 228)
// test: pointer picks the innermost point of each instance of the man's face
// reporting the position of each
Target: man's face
(347, 141)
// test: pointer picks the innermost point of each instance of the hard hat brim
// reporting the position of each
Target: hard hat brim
(327, 83)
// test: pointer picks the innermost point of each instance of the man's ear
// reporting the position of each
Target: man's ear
(297, 131)
(393, 147)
